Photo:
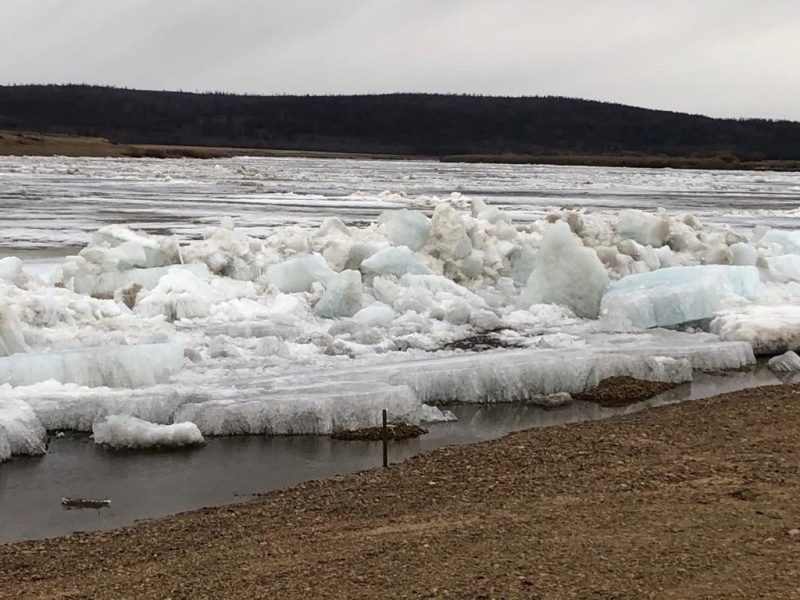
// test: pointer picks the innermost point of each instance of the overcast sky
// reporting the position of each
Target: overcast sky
(732, 58)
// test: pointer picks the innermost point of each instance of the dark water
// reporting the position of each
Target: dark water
(147, 485)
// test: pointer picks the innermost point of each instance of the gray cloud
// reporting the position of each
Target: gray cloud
(717, 57)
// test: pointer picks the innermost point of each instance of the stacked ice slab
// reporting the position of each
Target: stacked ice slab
(111, 366)
(326, 400)
(676, 295)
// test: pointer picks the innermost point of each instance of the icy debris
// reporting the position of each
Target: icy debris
(644, 228)
(533, 374)
(675, 295)
(179, 295)
(21, 432)
(300, 273)
(784, 268)
(789, 362)
(301, 332)
(787, 241)
(449, 239)
(327, 400)
(343, 298)
(744, 254)
(12, 340)
(521, 264)
(77, 408)
(566, 273)
(434, 414)
(111, 366)
(769, 330)
(125, 432)
(376, 315)
(397, 261)
(530, 375)
(406, 228)
(230, 253)
(319, 410)
(128, 248)
(11, 269)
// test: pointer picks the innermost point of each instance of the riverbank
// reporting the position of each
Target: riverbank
(722, 161)
(20, 143)
(696, 500)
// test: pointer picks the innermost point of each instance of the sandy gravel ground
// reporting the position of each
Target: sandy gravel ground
(699, 500)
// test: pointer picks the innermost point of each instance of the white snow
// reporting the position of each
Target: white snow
(124, 432)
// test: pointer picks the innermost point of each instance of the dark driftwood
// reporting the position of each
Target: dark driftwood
(85, 503)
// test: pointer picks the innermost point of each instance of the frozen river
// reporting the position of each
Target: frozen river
(55, 204)
(160, 302)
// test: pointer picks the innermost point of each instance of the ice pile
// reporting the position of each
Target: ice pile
(315, 330)
(130, 433)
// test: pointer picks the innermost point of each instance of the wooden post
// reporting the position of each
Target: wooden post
(385, 439)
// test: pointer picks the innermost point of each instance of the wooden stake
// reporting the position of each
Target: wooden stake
(385, 439)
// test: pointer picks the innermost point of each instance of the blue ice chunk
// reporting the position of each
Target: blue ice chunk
(675, 295)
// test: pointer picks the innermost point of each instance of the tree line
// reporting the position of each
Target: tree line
(413, 124)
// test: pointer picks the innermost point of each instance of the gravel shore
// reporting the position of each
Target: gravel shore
(697, 500)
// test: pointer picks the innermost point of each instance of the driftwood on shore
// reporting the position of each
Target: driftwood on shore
(85, 503)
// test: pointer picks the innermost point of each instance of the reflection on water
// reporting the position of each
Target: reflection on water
(147, 485)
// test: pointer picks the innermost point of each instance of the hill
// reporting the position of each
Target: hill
(405, 124)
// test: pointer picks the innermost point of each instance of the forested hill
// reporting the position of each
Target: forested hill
(395, 123)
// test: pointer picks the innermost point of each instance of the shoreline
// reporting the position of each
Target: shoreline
(696, 499)
(25, 143)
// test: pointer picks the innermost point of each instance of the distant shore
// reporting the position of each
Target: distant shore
(718, 162)
(19, 143)
(695, 500)
(16, 143)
